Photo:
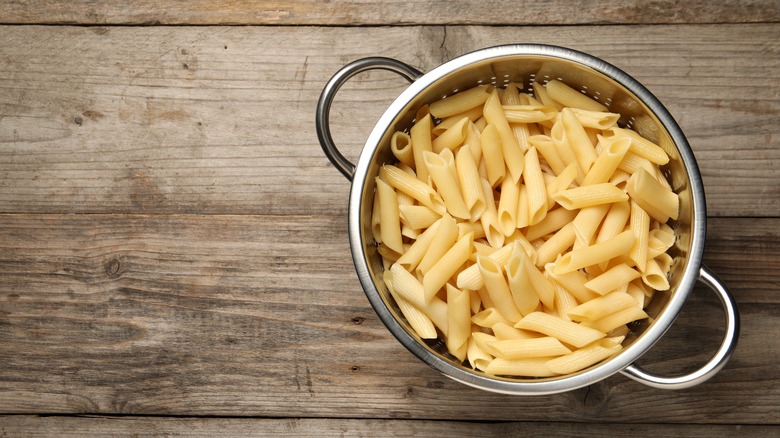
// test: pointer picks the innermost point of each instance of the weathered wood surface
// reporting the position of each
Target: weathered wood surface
(220, 120)
(375, 12)
(66, 427)
(264, 316)
(173, 248)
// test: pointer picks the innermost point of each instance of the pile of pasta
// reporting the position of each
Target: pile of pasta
(526, 230)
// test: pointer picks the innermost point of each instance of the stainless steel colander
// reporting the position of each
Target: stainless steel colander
(525, 64)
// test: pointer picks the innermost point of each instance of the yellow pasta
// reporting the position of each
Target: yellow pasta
(565, 331)
(616, 277)
(447, 265)
(510, 150)
(389, 217)
(534, 183)
(588, 196)
(415, 188)
(420, 133)
(570, 97)
(595, 254)
(442, 171)
(452, 137)
(460, 102)
(470, 183)
(493, 155)
(658, 201)
(459, 321)
(497, 288)
(545, 346)
(507, 234)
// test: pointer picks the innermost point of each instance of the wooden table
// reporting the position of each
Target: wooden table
(173, 243)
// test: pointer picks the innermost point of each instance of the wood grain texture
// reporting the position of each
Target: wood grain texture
(264, 316)
(375, 12)
(64, 427)
(220, 120)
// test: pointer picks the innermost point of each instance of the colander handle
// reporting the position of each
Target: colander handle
(409, 73)
(717, 362)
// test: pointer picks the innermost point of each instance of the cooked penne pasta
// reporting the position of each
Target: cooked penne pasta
(570, 97)
(423, 193)
(565, 331)
(442, 171)
(476, 252)
(389, 217)
(510, 150)
(658, 201)
(460, 102)
(588, 196)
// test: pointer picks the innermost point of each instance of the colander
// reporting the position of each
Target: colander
(525, 64)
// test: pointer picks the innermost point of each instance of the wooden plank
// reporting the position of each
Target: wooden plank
(374, 12)
(220, 120)
(263, 316)
(28, 425)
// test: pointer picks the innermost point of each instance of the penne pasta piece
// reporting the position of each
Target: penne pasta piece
(595, 254)
(546, 148)
(573, 282)
(570, 97)
(578, 139)
(445, 237)
(614, 222)
(507, 206)
(642, 146)
(504, 331)
(420, 133)
(596, 119)
(489, 318)
(470, 183)
(417, 216)
(449, 263)
(545, 346)
(564, 148)
(618, 318)
(525, 298)
(613, 279)
(601, 307)
(461, 101)
(422, 192)
(565, 331)
(420, 322)
(639, 223)
(528, 113)
(658, 201)
(442, 171)
(471, 227)
(510, 150)
(564, 301)
(415, 253)
(561, 241)
(389, 217)
(587, 223)
(583, 358)
(458, 321)
(612, 153)
(453, 137)
(588, 196)
(492, 154)
(401, 146)
(497, 288)
(552, 222)
(541, 93)
(534, 183)
(530, 367)
(477, 357)
(375, 232)
(654, 276)
(409, 288)
(523, 208)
